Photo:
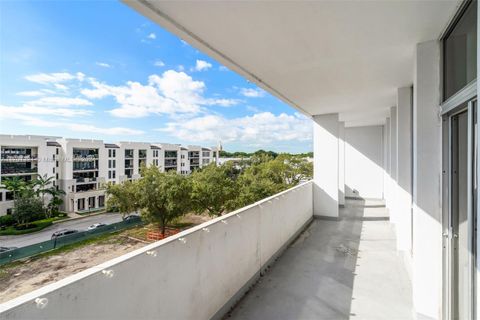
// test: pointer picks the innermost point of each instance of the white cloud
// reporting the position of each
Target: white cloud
(53, 78)
(152, 36)
(29, 116)
(27, 110)
(171, 93)
(262, 127)
(159, 63)
(30, 93)
(252, 93)
(103, 64)
(201, 65)
(59, 101)
(222, 102)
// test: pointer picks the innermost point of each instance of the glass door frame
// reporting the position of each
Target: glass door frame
(447, 181)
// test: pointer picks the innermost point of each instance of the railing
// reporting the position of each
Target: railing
(85, 180)
(196, 274)
(19, 158)
(7, 170)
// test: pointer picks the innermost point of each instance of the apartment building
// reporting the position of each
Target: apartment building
(26, 157)
(82, 167)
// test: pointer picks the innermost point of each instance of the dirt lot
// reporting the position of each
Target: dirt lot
(27, 275)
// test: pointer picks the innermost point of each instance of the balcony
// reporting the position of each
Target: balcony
(18, 171)
(326, 269)
(170, 163)
(19, 158)
(85, 168)
(85, 154)
(85, 180)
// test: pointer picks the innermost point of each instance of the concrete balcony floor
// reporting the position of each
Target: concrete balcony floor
(346, 269)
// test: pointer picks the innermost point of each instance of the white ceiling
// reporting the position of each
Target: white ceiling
(318, 56)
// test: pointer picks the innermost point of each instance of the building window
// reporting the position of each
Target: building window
(53, 156)
(109, 153)
(109, 174)
(113, 174)
(53, 170)
(56, 163)
(1, 196)
(460, 52)
(114, 153)
(114, 164)
(56, 176)
(81, 204)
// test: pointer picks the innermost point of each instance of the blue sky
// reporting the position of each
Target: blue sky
(98, 69)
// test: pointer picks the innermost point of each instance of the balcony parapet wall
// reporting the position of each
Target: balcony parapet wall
(197, 274)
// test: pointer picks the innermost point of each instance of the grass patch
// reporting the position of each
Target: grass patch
(87, 212)
(37, 226)
(107, 238)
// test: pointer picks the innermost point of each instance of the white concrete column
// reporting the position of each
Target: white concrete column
(393, 166)
(386, 163)
(427, 162)
(325, 168)
(341, 163)
(404, 168)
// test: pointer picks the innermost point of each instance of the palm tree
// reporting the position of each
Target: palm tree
(42, 185)
(15, 185)
(56, 200)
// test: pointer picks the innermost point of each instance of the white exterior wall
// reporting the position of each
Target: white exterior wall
(404, 180)
(136, 146)
(392, 205)
(427, 217)
(364, 171)
(191, 275)
(325, 165)
(341, 163)
(66, 181)
(386, 175)
(46, 159)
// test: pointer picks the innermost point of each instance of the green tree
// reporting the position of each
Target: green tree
(42, 185)
(213, 188)
(123, 197)
(27, 208)
(163, 196)
(16, 185)
(55, 200)
(265, 176)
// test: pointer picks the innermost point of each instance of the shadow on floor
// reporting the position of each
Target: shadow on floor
(345, 269)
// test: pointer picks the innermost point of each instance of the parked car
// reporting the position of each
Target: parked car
(131, 217)
(96, 225)
(5, 249)
(64, 232)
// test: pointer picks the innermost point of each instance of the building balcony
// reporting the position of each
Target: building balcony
(86, 168)
(19, 158)
(18, 171)
(85, 180)
(318, 269)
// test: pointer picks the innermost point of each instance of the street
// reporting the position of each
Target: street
(46, 234)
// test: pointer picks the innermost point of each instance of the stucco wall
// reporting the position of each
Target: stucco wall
(364, 162)
(188, 276)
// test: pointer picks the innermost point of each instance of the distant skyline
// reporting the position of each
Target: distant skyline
(100, 70)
